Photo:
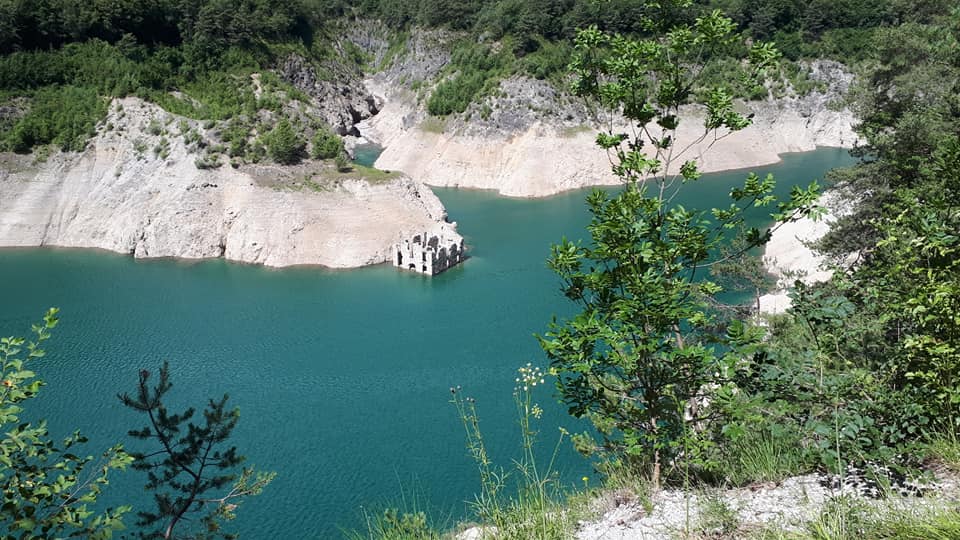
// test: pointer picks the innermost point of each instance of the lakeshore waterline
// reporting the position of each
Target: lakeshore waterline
(342, 377)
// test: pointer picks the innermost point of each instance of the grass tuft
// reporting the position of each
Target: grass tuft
(762, 457)
(946, 450)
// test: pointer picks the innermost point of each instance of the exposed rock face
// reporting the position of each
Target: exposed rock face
(531, 140)
(545, 159)
(119, 196)
(789, 255)
(406, 76)
(425, 54)
(340, 98)
(521, 104)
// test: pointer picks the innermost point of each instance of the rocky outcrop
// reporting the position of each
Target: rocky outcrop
(545, 159)
(122, 195)
(789, 255)
(339, 96)
(529, 139)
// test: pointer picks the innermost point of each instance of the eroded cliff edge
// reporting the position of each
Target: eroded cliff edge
(530, 139)
(121, 196)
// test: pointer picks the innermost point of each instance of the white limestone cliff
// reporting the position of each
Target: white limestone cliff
(117, 195)
(530, 140)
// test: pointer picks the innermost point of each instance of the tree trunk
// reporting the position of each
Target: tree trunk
(655, 473)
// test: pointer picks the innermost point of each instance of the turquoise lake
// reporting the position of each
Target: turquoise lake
(342, 377)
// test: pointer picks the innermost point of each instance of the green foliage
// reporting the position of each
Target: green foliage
(207, 24)
(395, 525)
(845, 518)
(455, 14)
(326, 145)
(284, 144)
(454, 95)
(208, 161)
(342, 162)
(549, 61)
(534, 510)
(64, 116)
(191, 470)
(915, 274)
(905, 102)
(946, 450)
(768, 454)
(764, 18)
(863, 369)
(476, 71)
(640, 354)
(48, 490)
(192, 58)
(716, 518)
(218, 95)
(801, 389)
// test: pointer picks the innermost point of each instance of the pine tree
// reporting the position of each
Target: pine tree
(192, 470)
(284, 144)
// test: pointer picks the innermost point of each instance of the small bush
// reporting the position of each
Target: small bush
(454, 95)
(162, 149)
(283, 144)
(763, 457)
(478, 72)
(433, 125)
(394, 525)
(208, 161)
(154, 128)
(343, 163)
(326, 145)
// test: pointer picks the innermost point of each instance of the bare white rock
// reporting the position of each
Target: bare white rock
(785, 506)
(117, 197)
(789, 255)
(549, 156)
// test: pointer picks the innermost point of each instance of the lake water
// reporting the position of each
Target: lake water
(366, 154)
(342, 377)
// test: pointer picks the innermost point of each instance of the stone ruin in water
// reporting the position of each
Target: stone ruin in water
(428, 255)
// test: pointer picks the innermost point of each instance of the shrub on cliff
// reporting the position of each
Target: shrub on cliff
(284, 144)
(64, 116)
(326, 145)
(640, 357)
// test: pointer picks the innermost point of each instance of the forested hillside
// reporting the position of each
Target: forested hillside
(60, 58)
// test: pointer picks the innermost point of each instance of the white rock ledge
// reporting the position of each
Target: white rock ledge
(545, 160)
(117, 198)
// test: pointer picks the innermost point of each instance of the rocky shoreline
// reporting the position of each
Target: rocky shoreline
(132, 191)
(786, 507)
(545, 160)
(534, 141)
(120, 196)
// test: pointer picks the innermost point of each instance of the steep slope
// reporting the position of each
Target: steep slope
(528, 139)
(123, 194)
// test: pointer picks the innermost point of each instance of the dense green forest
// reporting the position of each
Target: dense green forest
(862, 371)
(60, 58)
